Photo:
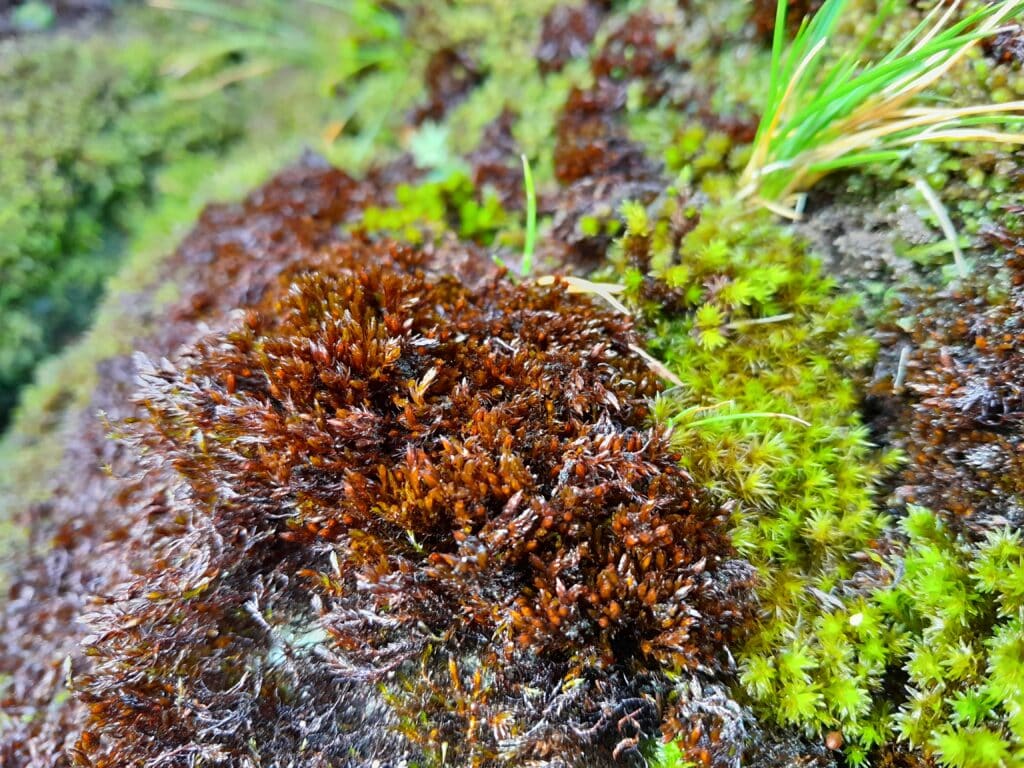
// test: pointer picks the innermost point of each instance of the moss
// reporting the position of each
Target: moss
(766, 415)
(957, 405)
(65, 383)
(453, 477)
(956, 610)
(90, 511)
(306, 529)
(102, 126)
(870, 636)
(503, 38)
(266, 122)
(432, 208)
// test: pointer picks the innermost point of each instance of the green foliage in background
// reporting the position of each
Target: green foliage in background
(100, 125)
(85, 128)
(352, 65)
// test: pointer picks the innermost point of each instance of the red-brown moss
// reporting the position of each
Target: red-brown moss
(450, 76)
(566, 34)
(763, 15)
(456, 484)
(958, 414)
(596, 162)
(1007, 47)
(108, 513)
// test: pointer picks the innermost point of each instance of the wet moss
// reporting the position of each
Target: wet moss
(520, 534)
(947, 391)
(400, 508)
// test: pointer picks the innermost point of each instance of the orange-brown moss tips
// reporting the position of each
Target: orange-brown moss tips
(459, 488)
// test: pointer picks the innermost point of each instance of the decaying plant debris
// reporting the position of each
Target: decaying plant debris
(960, 395)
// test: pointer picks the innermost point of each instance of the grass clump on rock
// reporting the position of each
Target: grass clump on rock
(825, 113)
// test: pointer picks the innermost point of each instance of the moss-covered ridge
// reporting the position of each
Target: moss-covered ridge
(765, 356)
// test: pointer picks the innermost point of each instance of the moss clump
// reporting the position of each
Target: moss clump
(432, 208)
(766, 417)
(956, 610)
(898, 645)
(948, 392)
(444, 486)
(958, 403)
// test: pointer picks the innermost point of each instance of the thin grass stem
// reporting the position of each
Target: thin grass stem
(531, 219)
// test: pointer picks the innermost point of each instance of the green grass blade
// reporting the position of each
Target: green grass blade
(531, 219)
(244, 17)
(778, 43)
(859, 158)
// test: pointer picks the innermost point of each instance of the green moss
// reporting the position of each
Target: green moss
(757, 336)
(430, 209)
(502, 38)
(766, 416)
(957, 611)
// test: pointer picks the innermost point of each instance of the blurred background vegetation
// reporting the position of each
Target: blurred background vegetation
(121, 119)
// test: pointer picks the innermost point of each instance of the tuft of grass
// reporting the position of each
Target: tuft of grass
(826, 113)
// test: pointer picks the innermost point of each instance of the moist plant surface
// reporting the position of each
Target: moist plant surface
(508, 531)
(508, 430)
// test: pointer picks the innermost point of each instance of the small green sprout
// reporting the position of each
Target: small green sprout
(825, 114)
(531, 219)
